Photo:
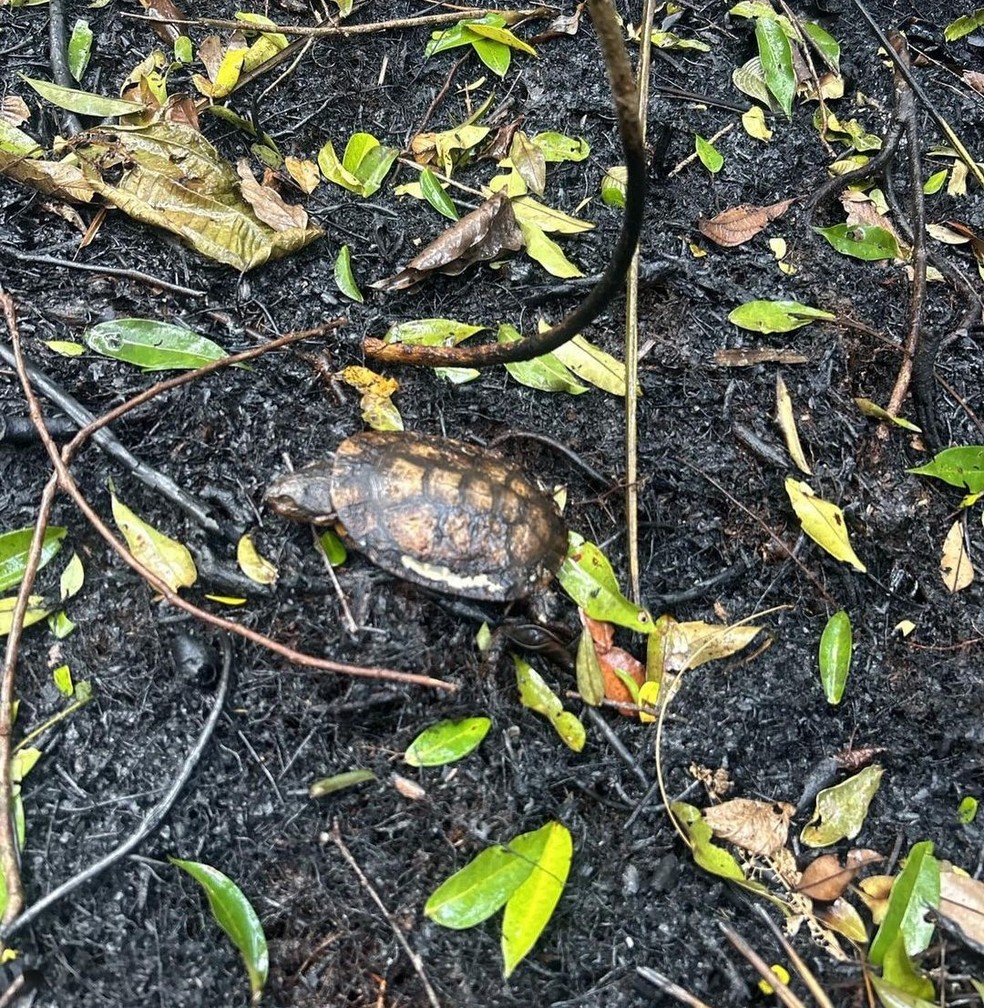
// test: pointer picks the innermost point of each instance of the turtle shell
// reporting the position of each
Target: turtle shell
(446, 515)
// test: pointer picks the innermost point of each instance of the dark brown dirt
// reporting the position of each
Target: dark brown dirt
(142, 934)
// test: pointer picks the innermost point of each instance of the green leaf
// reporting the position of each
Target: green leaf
(62, 677)
(826, 44)
(37, 609)
(835, 655)
(369, 161)
(339, 782)
(184, 50)
(752, 9)
(587, 576)
(434, 193)
(530, 907)
(890, 996)
(332, 169)
(710, 156)
(538, 696)
(558, 147)
(502, 35)
(776, 316)
(670, 40)
(967, 810)
(169, 559)
(447, 741)
(545, 373)
(777, 62)
(72, 578)
(234, 914)
(960, 467)
(478, 890)
(431, 332)
(708, 855)
(840, 810)
(915, 890)
(66, 348)
(593, 365)
(546, 251)
(872, 409)
(152, 345)
(862, 241)
(823, 521)
(451, 38)
(613, 184)
(334, 548)
(496, 56)
(79, 49)
(898, 970)
(83, 102)
(344, 278)
(935, 182)
(590, 681)
(964, 25)
(14, 547)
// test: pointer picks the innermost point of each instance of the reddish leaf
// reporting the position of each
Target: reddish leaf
(737, 225)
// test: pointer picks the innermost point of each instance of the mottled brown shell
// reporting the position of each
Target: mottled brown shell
(437, 512)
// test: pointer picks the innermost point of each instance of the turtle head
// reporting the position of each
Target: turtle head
(303, 495)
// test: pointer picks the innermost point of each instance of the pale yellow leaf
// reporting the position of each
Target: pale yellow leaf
(753, 122)
(163, 556)
(254, 566)
(703, 642)
(955, 565)
(304, 172)
(787, 424)
(36, 611)
(592, 364)
(823, 522)
(530, 211)
(547, 252)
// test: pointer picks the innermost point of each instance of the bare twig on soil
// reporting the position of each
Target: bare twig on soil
(58, 54)
(609, 32)
(415, 960)
(667, 986)
(150, 822)
(115, 271)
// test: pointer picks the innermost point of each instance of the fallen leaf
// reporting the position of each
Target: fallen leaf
(14, 110)
(962, 904)
(955, 565)
(483, 234)
(841, 810)
(741, 223)
(168, 559)
(267, 203)
(378, 409)
(823, 522)
(758, 827)
(257, 568)
(563, 24)
(825, 878)
(304, 173)
(528, 159)
(787, 424)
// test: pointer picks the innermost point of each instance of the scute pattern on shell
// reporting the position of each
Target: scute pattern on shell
(446, 515)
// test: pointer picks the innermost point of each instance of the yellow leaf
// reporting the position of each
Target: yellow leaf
(823, 522)
(168, 559)
(530, 211)
(303, 172)
(254, 566)
(787, 424)
(955, 565)
(547, 252)
(592, 364)
(706, 642)
(753, 122)
(378, 408)
(36, 611)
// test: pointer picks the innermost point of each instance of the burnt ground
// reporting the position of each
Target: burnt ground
(141, 933)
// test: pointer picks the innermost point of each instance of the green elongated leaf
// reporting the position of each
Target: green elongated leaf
(546, 251)
(545, 373)
(344, 278)
(935, 182)
(431, 332)
(236, 916)
(530, 907)
(79, 48)
(916, 890)
(777, 62)
(862, 241)
(332, 169)
(967, 810)
(83, 102)
(840, 811)
(14, 547)
(593, 365)
(964, 25)
(613, 185)
(447, 741)
(37, 609)
(890, 996)
(456, 36)
(960, 467)
(339, 782)
(496, 56)
(66, 348)
(433, 192)
(898, 969)
(170, 560)
(590, 681)
(558, 147)
(826, 44)
(872, 409)
(72, 578)
(587, 576)
(708, 855)
(538, 696)
(372, 163)
(503, 35)
(152, 345)
(529, 211)
(710, 156)
(776, 316)
(478, 890)
(835, 655)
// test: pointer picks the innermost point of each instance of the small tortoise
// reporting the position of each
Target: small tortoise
(440, 513)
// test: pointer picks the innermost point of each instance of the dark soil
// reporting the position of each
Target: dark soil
(142, 933)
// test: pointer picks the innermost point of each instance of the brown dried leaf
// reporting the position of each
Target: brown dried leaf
(613, 660)
(972, 78)
(602, 633)
(825, 879)
(861, 857)
(563, 24)
(758, 827)
(267, 203)
(717, 782)
(168, 10)
(14, 110)
(498, 147)
(749, 356)
(483, 234)
(737, 225)
(962, 904)
(527, 158)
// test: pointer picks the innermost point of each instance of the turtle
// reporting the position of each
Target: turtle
(437, 512)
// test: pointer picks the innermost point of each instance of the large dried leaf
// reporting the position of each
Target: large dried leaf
(268, 205)
(168, 175)
(955, 564)
(739, 224)
(483, 234)
(758, 827)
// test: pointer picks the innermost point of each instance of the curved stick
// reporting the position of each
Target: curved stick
(624, 93)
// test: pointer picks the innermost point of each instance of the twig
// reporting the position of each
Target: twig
(151, 821)
(724, 131)
(57, 51)
(415, 960)
(117, 271)
(667, 986)
(345, 31)
(781, 988)
(618, 745)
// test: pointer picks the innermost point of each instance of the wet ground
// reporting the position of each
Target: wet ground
(712, 506)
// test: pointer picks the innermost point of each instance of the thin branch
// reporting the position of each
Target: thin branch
(151, 821)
